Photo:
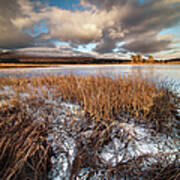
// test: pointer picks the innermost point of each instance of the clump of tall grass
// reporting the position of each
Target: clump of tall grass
(105, 99)
(23, 139)
(24, 152)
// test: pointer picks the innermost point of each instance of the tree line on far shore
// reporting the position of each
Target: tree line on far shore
(139, 59)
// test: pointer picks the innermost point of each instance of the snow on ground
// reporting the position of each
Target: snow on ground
(128, 140)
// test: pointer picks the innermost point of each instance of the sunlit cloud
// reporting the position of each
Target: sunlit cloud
(92, 26)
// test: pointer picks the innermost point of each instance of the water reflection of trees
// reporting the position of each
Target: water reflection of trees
(143, 71)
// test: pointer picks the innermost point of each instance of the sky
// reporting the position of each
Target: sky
(99, 28)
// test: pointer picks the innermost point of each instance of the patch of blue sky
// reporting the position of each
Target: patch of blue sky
(59, 43)
(141, 1)
(86, 48)
(63, 4)
(118, 47)
(145, 2)
(116, 50)
(176, 45)
(119, 44)
(175, 4)
(36, 30)
(164, 53)
(174, 31)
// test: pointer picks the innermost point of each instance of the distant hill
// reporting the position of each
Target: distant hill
(173, 60)
(52, 56)
(13, 57)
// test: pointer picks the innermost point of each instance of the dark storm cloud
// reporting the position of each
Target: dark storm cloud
(9, 8)
(17, 40)
(105, 46)
(147, 46)
(156, 16)
(141, 21)
(10, 36)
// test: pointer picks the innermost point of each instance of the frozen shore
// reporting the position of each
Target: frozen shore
(128, 141)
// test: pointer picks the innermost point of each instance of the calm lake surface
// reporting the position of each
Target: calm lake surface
(165, 72)
(170, 72)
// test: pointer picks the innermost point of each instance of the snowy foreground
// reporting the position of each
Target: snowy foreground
(129, 140)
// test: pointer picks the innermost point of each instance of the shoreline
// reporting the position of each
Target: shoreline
(23, 65)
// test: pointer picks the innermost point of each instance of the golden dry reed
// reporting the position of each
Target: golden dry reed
(104, 98)
(24, 151)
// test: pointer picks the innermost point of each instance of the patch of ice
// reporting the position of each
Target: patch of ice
(7, 91)
(62, 139)
(136, 141)
(3, 103)
(73, 108)
(24, 95)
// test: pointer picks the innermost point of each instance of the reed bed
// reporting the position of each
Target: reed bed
(24, 153)
(106, 103)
